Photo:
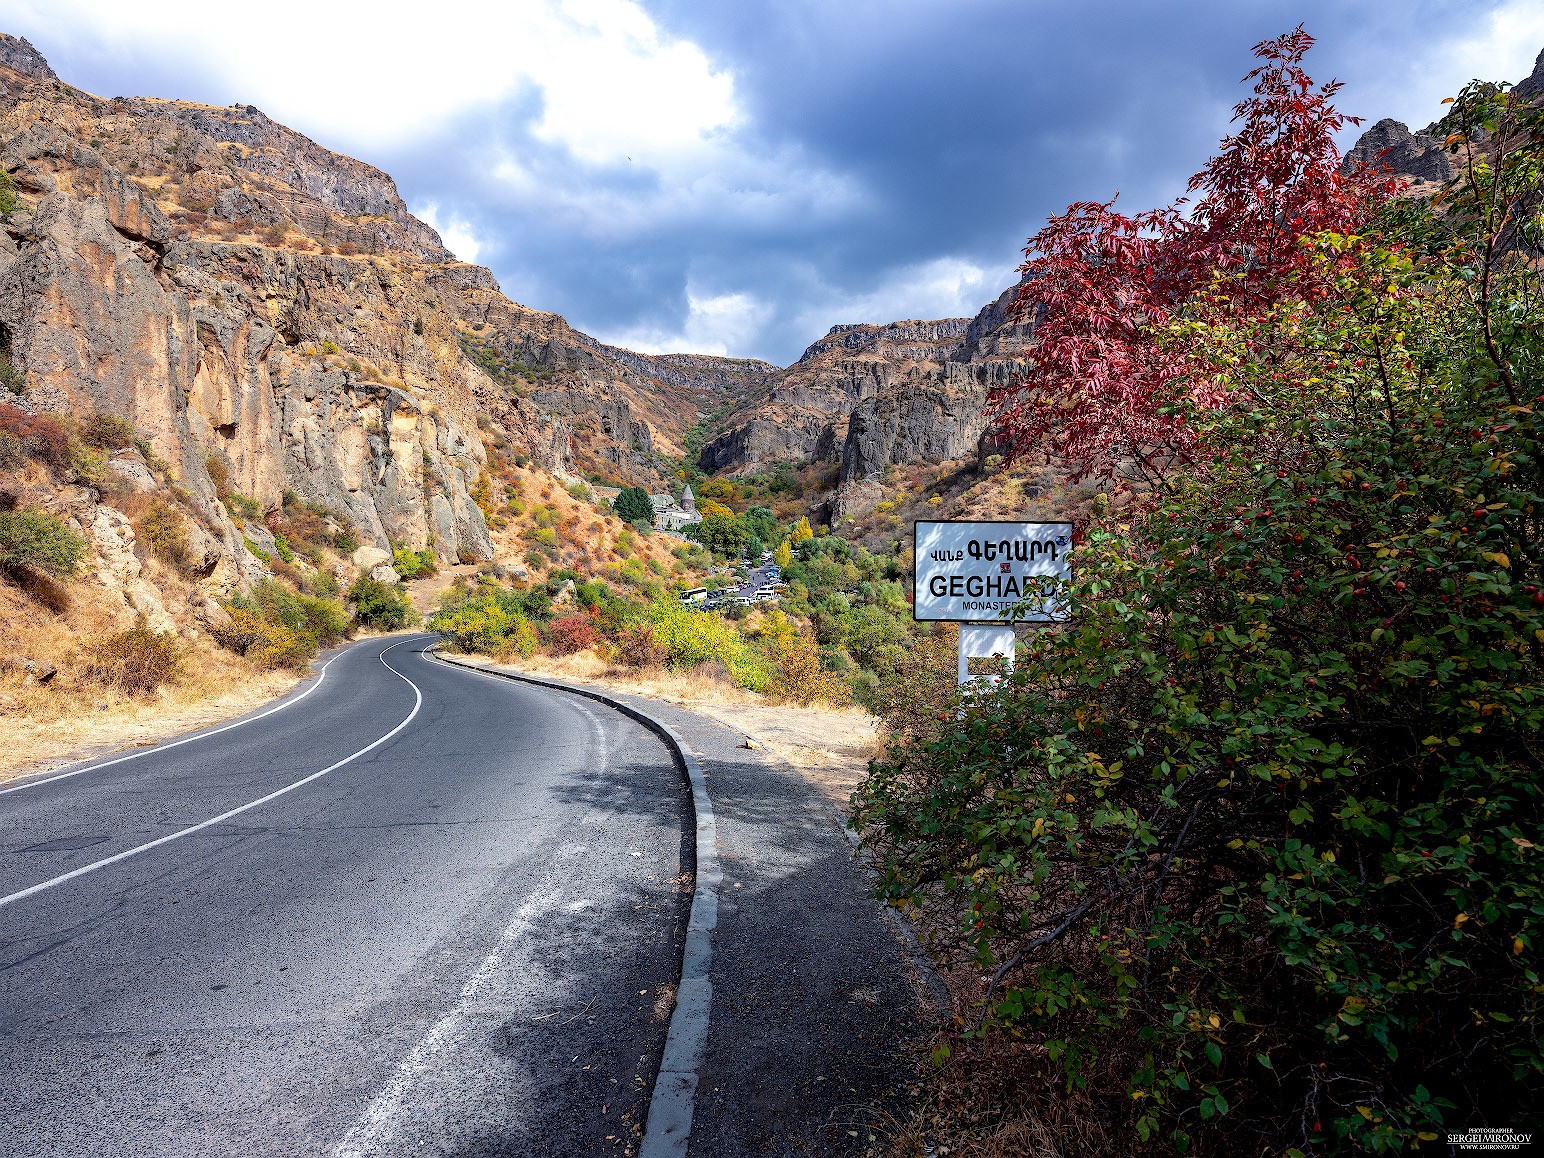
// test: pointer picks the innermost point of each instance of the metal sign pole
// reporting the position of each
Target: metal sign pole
(984, 641)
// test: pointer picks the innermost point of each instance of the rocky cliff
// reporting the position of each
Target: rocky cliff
(1419, 155)
(271, 318)
(872, 396)
(801, 413)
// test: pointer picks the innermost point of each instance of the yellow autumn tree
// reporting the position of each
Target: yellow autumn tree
(797, 671)
(782, 554)
(802, 531)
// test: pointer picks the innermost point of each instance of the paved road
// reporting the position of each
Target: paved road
(460, 941)
(814, 995)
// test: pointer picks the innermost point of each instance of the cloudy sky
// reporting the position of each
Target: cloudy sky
(736, 176)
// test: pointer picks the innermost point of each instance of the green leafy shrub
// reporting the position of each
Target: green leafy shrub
(689, 638)
(10, 196)
(41, 541)
(798, 673)
(410, 564)
(135, 662)
(275, 627)
(488, 624)
(243, 506)
(281, 545)
(378, 605)
(12, 380)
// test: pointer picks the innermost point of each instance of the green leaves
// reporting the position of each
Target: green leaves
(1315, 663)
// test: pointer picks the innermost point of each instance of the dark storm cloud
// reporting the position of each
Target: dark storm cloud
(890, 159)
(964, 125)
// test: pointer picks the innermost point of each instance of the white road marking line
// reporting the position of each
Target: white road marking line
(418, 700)
(376, 1124)
(320, 676)
(573, 701)
(600, 734)
(674, 1101)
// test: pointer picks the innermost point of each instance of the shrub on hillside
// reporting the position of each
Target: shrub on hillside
(570, 634)
(275, 627)
(377, 605)
(798, 672)
(108, 432)
(410, 564)
(485, 624)
(918, 689)
(163, 530)
(520, 641)
(41, 541)
(639, 646)
(136, 662)
(41, 436)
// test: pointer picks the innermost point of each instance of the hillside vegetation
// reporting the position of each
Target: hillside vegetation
(1246, 858)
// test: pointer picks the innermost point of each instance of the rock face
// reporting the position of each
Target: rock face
(18, 56)
(801, 413)
(268, 314)
(1532, 87)
(868, 396)
(1418, 156)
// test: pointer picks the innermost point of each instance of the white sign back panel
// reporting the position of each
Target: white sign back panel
(977, 571)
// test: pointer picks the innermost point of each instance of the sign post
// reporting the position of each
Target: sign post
(982, 576)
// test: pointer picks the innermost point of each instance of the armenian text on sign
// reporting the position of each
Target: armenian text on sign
(990, 571)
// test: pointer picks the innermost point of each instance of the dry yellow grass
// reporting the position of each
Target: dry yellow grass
(45, 729)
(71, 717)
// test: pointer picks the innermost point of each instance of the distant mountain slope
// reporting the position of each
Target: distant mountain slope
(871, 396)
(243, 293)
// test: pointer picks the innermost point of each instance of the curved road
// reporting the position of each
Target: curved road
(416, 909)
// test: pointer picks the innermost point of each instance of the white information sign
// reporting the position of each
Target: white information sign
(977, 572)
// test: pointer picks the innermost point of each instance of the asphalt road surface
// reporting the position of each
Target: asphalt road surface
(416, 910)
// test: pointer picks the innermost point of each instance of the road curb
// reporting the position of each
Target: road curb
(675, 1088)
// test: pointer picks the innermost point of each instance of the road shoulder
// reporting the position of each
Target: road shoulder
(815, 994)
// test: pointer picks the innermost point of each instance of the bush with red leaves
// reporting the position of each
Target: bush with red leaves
(42, 436)
(570, 634)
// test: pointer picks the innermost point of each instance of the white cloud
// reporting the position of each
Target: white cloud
(945, 287)
(1501, 46)
(722, 324)
(609, 82)
(454, 230)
